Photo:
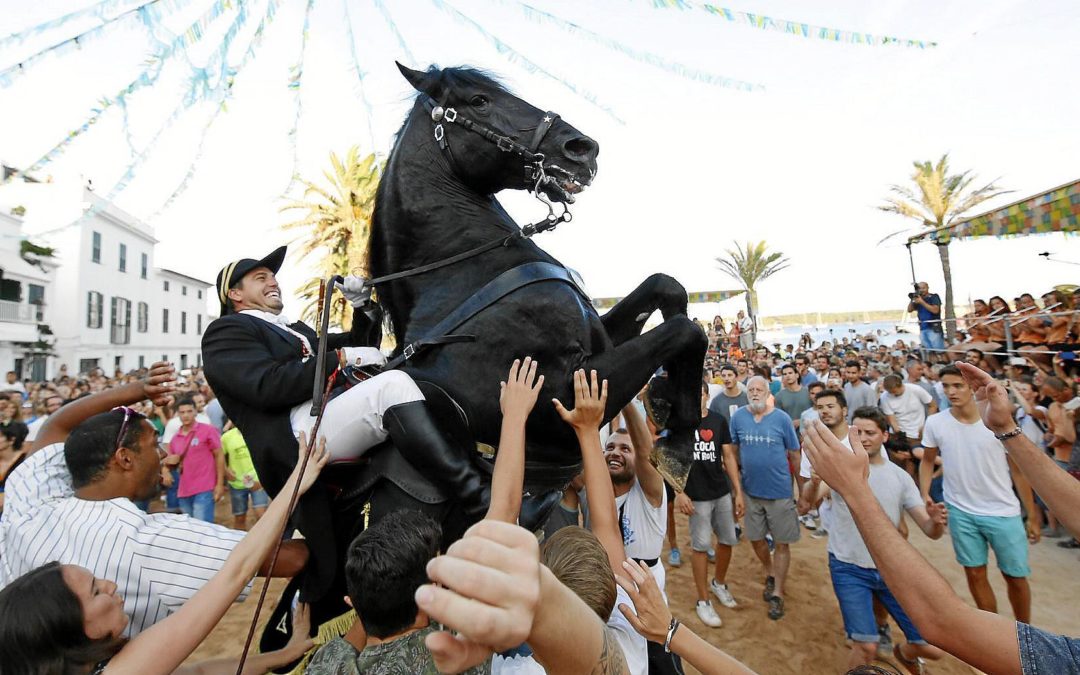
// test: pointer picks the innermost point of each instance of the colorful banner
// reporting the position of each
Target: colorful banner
(518, 59)
(152, 9)
(655, 60)
(369, 112)
(796, 28)
(692, 298)
(1056, 210)
(147, 77)
(295, 77)
(256, 41)
(412, 62)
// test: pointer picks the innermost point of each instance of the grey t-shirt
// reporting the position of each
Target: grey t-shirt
(859, 396)
(895, 491)
(724, 405)
(794, 403)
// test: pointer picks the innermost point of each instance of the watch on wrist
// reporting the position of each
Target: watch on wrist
(1009, 434)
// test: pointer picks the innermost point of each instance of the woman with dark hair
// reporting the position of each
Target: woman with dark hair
(10, 459)
(61, 619)
(11, 422)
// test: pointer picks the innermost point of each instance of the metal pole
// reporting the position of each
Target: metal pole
(911, 259)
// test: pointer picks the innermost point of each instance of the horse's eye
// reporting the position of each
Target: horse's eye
(479, 101)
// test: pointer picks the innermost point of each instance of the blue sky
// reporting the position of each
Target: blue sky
(801, 163)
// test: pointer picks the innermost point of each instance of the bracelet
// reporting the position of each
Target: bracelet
(670, 634)
(1009, 434)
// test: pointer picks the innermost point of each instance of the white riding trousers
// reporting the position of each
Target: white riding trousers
(353, 421)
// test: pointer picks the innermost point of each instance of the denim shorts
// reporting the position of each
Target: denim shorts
(714, 515)
(973, 535)
(199, 506)
(855, 589)
(239, 498)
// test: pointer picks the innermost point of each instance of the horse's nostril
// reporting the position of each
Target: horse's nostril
(580, 147)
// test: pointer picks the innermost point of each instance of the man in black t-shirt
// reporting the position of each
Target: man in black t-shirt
(714, 501)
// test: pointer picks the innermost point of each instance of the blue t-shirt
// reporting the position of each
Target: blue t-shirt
(763, 448)
(1042, 652)
(926, 315)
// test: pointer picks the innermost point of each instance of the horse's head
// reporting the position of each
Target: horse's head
(497, 141)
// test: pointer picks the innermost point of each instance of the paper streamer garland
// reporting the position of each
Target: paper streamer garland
(397, 34)
(98, 9)
(797, 28)
(517, 58)
(368, 110)
(147, 77)
(9, 74)
(295, 78)
(256, 41)
(649, 58)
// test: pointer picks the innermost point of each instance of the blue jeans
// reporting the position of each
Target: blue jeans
(239, 499)
(199, 506)
(855, 589)
(1042, 652)
(932, 338)
(172, 502)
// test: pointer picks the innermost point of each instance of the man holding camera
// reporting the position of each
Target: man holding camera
(928, 306)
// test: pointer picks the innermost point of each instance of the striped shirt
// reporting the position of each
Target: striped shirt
(158, 561)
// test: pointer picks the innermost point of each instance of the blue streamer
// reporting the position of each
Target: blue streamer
(370, 113)
(397, 34)
(99, 9)
(294, 83)
(519, 59)
(646, 57)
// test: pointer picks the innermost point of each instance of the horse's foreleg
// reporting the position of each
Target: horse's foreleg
(625, 320)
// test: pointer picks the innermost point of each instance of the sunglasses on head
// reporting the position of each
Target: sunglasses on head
(128, 414)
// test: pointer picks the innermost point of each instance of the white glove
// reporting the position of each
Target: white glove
(355, 290)
(363, 356)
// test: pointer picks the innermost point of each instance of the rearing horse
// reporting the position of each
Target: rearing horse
(465, 139)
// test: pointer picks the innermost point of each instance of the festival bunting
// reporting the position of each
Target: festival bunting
(797, 28)
(153, 10)
(147, 77)
(256, 41)
(692, 298)
(99, 9)
(519, 59)
(655, 60)
(369, 112)
(1056, 210)
(397, 33)
(296, 75)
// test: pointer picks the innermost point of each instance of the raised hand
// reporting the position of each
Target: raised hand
(517, 395)
(590, 401)
(158, 386)
(842, 469)
(318, 460)
(993, 402)
(653, 618)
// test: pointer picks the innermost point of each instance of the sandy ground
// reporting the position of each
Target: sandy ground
(810, 638)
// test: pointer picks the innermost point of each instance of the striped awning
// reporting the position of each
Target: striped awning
(1056, 210)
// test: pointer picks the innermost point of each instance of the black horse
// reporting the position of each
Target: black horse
(436, 199)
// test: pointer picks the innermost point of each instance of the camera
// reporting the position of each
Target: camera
(912, 296)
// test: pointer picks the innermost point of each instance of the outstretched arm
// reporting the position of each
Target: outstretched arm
(982, 639)
(517, 396)
(165, 645)
(157, 386)
(1058, 489)
(652, 483)
(586, 418)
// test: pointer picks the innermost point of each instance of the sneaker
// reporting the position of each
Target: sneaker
(819, 533)
(723, 594)
(675, 558)
(885, 643)
(707, 614)
(776, 607)
(808, 522)
(711, 554)
(770, 586)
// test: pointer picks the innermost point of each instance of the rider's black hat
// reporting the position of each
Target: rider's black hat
(232, 273)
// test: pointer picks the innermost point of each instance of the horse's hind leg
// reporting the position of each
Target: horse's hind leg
(679, 344)
(626, 319)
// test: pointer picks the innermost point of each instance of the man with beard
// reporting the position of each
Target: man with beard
(832, 410)
(858, 393)
(767, 445)
(793, 398)
(802, 365)
(731, 397)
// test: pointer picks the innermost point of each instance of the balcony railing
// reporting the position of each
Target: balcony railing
(18, 312)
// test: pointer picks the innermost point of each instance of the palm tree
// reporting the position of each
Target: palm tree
(749, 264)
(336, 225)
(937, 200)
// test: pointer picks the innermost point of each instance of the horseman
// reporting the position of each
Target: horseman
(262, 366)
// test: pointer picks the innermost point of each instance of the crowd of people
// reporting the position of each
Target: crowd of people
(111, 559)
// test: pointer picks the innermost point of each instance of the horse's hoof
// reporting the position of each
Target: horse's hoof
(536, 509)
(673, 455)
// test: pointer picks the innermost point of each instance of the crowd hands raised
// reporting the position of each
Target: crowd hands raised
(582, 601)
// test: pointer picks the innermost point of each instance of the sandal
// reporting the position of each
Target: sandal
(770, 586)
(915, 667)
(776, 607)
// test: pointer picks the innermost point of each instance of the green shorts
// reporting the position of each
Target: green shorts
(972, 535)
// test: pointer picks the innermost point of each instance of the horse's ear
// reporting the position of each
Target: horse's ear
(423, 81)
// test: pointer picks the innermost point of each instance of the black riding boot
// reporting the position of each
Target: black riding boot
(429, 451)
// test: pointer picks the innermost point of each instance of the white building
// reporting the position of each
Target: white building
(119, 312)
(25, 293)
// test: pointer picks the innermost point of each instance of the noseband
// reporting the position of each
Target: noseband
(535, 172)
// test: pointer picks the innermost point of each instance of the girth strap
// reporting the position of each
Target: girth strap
(493, 291)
